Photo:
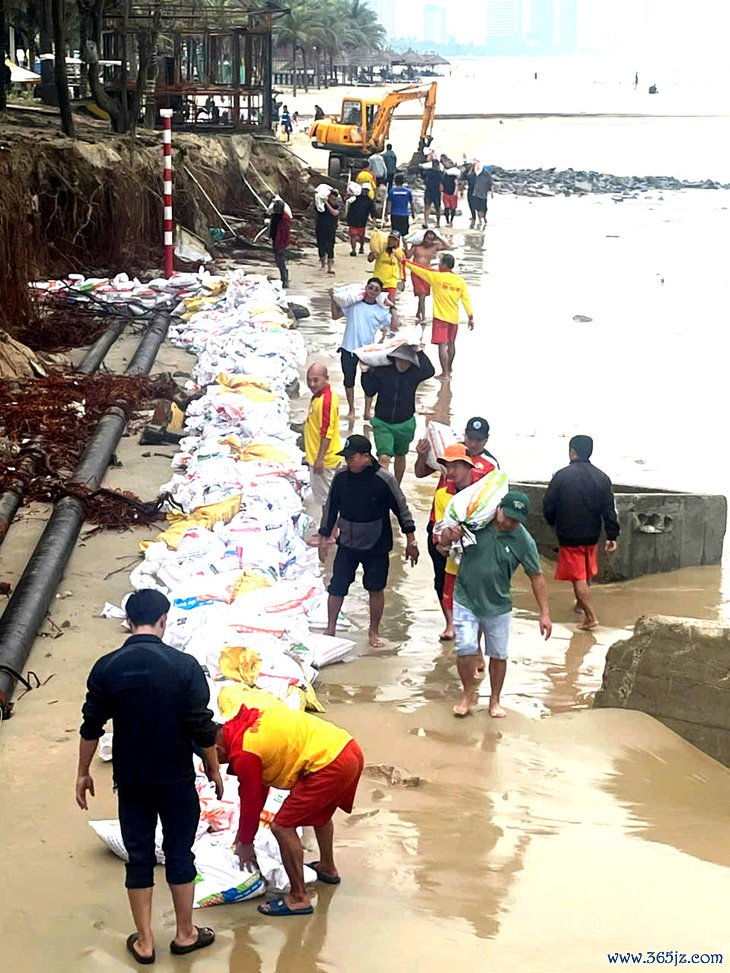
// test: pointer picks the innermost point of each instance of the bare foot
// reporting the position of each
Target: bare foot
(350, 415)
(496, 711)
(330, 632)
(367, 417)
(375, 641)
(444, 377)
(587, 626)
(466, 706)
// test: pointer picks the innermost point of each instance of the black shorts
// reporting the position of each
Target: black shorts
(349, 362)
(325, 244)
(433, 198)
(347, 561)
(480, 205)
(178, 809)
(439, 564)
(401, 224)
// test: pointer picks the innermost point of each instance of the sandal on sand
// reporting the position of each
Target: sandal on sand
(321, 877)
(142, 960)
(206, 937)
(278, 907)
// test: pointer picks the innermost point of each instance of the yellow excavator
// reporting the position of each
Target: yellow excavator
(364, 125)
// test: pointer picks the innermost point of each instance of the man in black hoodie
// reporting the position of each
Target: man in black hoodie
(360, 502)
(394, 423)
(577, 503)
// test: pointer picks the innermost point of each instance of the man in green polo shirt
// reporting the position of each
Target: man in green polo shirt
(483, 597)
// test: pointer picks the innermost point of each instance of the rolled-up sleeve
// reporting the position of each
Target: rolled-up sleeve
(198, 717)
(96, 709)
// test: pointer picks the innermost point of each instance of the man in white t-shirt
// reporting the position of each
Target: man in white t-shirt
(363, 321)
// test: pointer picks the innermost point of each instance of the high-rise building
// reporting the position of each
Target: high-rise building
(434, 24)
(503, 18)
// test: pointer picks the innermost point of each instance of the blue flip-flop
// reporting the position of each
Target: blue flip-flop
(278, 907)
(321, 877)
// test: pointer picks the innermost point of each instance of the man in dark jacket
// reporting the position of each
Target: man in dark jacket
(158, 698)
(280, 234)
(360, 502)
(394, 422)
(577, 503)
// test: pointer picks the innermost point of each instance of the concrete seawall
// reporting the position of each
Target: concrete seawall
(660, 531)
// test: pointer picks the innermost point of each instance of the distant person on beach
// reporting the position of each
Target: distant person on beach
(286, 123)
(157, 698)
(360, 502)
(318, 763)
(394, 388)
(577, 503)
(400, 205)
(360, 211)
(432, 192)
(280, 235)
(327, 204)
(451, 196)
(483, 188)
(322, 432)
(423, 254)
(467, 180)
(483, 597)
(390, 265)
(368, 180)
(363, 321)
(653, 90)
(636, 80)
(391, 164)
(449, 289)
(318, 113)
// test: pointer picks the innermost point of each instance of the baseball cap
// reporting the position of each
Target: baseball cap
(516, 505)
(477, 427)
(356, 444)
(406, 352)
(456, 454)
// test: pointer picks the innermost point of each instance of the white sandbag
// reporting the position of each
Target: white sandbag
(376, 355)
(268, 857)
(440, 437)
(417, 238)
(345, 295)
(327, 649)
(474, 507)
(109, 832)
(220, 880)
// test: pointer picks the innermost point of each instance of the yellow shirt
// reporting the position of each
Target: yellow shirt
(440, 501)
(291, 743)
(366, 178)
(448, 289)
(389, 267)
(323, 422)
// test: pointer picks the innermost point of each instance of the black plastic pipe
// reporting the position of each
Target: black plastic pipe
(100, 349)
(26, 610)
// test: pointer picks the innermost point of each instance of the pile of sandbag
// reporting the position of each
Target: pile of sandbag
(247, 595)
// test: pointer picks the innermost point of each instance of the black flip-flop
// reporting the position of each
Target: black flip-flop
(206, 937)
(321, 877)
(142, 960)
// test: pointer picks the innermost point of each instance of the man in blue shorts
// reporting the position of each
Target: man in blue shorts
(400, 203)
(483, 598)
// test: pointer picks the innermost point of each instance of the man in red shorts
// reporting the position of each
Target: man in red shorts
(423, 254)
(577, 504)
(449, 289)
(317, 762)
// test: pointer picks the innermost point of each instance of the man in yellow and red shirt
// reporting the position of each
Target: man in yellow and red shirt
(317, 762)
(322, 432)
(449, 289)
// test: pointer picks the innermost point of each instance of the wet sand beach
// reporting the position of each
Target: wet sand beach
(537, 843)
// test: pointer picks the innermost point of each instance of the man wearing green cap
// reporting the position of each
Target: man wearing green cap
(482, 596)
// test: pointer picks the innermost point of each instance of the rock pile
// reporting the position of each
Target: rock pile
(569, 182)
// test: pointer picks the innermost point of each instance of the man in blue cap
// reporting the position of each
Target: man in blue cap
(483, 597)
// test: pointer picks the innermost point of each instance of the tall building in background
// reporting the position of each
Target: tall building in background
(434, 24)
(504, 18)
(385, 9)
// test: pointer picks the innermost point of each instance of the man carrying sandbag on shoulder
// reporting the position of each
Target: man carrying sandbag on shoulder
(482, 593)
(395, 385)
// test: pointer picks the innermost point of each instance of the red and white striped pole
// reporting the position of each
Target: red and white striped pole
(166, 114)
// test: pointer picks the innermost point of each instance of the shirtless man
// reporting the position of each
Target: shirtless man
(423, 254)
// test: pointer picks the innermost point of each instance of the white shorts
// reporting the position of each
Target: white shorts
(496, 632)
(321, 483)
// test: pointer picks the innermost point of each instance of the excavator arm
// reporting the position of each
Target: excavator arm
(381, 127)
